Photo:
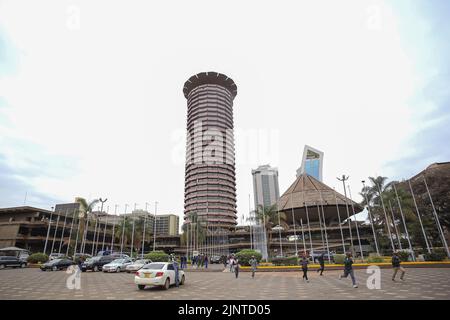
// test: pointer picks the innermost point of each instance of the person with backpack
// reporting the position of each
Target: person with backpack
(396, 266)
(348, 269)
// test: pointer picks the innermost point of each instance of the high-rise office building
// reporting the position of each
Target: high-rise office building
(265, 185)
(210, 185)
(312, 163)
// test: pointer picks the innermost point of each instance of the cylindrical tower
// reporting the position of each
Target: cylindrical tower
(210, 184)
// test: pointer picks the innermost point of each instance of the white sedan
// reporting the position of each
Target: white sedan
(135, 266)
(158, 274)
(117, 265)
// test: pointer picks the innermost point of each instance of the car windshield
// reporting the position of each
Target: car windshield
(93, 259)
(154, 266)
(118, 261)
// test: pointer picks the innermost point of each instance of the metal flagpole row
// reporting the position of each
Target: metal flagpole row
(441, 233)
(370, 219)
(303, 236)
(295, 233)
(395, 227)
(385, 216)
(325, 226)
(70, 234)
(356, 223)
(340, 222)
(404, 224)
(309, 228)
(62, 233)
(420, 219)
(344, 178)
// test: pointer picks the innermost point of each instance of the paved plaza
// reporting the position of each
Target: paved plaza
(32, 283)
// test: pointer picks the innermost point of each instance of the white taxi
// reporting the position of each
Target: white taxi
(158, 274)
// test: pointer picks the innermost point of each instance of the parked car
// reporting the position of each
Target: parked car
(57, 264)
(96, 263)
(135, 266)
(215, 259)
(9, 261)
(53, 256)
(117, 265)
(158, 274)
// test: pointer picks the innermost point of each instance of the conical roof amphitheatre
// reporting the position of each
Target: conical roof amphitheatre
(307, 194)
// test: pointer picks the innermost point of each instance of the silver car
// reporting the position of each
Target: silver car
(117, 265)
(135, 266)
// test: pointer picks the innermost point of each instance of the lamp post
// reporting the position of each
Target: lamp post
(123, 228)
(343, 179)
(143, 233)
(132, 232)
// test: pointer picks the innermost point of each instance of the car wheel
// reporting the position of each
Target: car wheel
(167, 284)
(118, 269)
(95, 268)
(54, 268)
(23, 265)
(141, 286)
(182, 280)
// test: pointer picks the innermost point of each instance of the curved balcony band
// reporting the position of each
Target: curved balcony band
(210, 183)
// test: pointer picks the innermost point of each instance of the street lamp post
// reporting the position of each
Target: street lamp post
(343, 179)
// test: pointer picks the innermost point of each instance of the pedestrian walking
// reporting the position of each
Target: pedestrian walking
(231, 264)
(236, 267)
(348, 269)
(225, 261)
(396, 266)
(321, 263)
(206, 261)
(177, 273)
(253, 264)
(304, 264)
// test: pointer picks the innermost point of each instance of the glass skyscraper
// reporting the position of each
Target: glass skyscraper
(312, 163)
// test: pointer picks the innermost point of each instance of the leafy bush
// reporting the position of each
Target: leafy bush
(339, 258)
(375, 259)
(245, 255)
(403, 255)
(436, 255)
(157, 256)
(38, 258)
(289, 261)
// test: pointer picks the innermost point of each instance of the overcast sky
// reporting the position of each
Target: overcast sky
(91, 100)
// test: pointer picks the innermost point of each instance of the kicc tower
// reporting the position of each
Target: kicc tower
(210, 183)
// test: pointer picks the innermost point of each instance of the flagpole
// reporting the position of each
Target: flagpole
(320, 224)
(309, 227)
(54, 235)
(303, 236)
(293, 221)
(385, 215)
(436, 217)
(370, 218)
(123, 229)
(420, 219)
(404, 224)
(395, 227)
(325, 226)
(62, 234)
(340, 223)
(104, 230)
(356, 223)
(114, 227)
(344, 178)
(70, 234)
(48, 231)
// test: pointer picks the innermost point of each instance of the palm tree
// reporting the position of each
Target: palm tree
(84, 211)
(269, 216)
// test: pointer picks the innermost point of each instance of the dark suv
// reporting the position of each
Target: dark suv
(97, 263)
(8, 261)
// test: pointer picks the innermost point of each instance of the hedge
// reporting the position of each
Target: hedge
(436, 255)
(157, 256)
(375, 259)
(289, 261)
(38, 258)
(245, 255)
(339, 258)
